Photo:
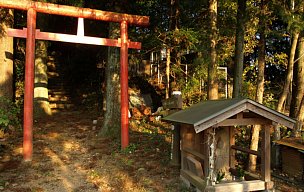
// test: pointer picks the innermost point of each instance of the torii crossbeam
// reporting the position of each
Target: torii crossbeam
(31, 34)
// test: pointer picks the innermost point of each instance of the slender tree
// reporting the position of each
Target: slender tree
(298, 83)
(286, 89)
(260, 82)
(168, 64)
(172, 52)
(239, 49)
(212, 67)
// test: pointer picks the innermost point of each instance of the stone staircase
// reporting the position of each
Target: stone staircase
(59, 91)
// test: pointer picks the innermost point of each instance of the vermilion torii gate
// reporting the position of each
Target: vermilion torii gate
(31, 34)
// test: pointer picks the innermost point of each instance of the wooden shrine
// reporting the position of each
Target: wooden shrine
(292, 150)
(207, 143)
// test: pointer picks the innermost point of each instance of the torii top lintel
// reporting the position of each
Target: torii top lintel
(65, 10)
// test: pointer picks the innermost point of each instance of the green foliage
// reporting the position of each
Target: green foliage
(193, 91)
(270, 101)
(240, 172)
(9, 114)
(130, 148)
(293, 16)
(220, 176)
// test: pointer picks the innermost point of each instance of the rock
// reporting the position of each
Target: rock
(141, 169)
(136, 113)
(147, 110)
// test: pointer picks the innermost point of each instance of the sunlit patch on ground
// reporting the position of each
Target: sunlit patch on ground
(69, 157)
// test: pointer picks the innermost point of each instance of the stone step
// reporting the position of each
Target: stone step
(58, 92)
(61, 106)
(52, 74)
(56, 98)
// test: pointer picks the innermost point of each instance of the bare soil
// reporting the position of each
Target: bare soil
(70, 156)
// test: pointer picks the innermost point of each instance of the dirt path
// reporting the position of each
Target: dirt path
(68, 156)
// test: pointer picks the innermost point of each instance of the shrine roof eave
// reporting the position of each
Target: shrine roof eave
(209, 113)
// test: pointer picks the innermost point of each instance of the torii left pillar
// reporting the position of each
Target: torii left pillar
(29, 86)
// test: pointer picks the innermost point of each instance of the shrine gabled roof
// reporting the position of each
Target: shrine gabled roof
(209, 113)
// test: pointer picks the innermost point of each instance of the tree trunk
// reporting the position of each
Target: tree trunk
(175, 51)
(239, 49)
(174, 15)
(168, 61)
(6, 54)
(41, 96)
(172, 54)
(111, 123)
(286, 90)
(298, 83)
(41, 102)
(212, 67)
(288, 80)
(260, 85)
(300, 118)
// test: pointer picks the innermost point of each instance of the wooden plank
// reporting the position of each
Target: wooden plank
(265, 160)
(292, 162)
(183, 132)
(194, 153)
(221, 117)
(245, 150)
(195, 166)
(198, 182)
(231, 143)
(248, 176)
(207, 152)
(291, 144)
(245, 121)
(72, 38)
(255, 185)
(270, 116)
(176, 152)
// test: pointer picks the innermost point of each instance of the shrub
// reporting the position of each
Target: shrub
(9, 114)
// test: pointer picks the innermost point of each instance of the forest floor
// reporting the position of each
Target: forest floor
(69, 156)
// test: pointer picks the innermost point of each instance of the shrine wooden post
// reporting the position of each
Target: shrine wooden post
(31, 34)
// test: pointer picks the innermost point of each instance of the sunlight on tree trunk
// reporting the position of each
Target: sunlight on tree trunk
(300, 120)
(41, 104)
(212, 67)
(6, 54)
(288, 80)
(111, 123)
(168, 61)
(298, 84)
(41, 96)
